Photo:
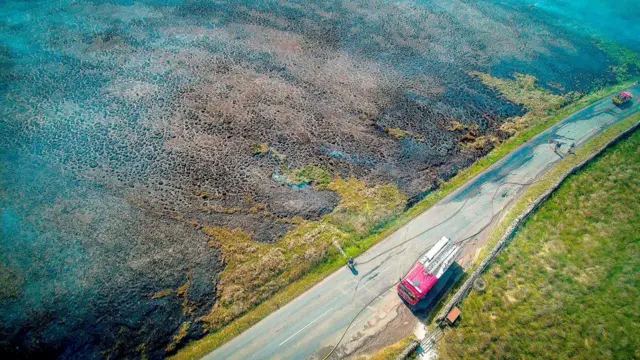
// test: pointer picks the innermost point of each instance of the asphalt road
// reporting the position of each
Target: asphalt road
(312, 324)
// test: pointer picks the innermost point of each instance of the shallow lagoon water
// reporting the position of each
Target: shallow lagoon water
(613, 20)
(109, 132)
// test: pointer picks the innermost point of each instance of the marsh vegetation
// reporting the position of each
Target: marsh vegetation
(154, 152)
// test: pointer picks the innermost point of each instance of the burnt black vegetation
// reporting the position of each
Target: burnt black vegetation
(128, 127)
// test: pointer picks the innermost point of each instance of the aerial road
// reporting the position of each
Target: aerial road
(312, 324)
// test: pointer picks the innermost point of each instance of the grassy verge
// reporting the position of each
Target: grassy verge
(331, 263)
(392, 351)
(567, 286)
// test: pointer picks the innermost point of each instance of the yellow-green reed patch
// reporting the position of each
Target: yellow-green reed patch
(524, 90)
(319, 176)
(362, 208)
(255, 272)
(177, 339)
(355, 245)
(313, 174)
(259, 149)
(390, 352)
(567, 286)
(625, 59)
(400, 134)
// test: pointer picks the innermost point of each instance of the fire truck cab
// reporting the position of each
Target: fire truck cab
(425, 273)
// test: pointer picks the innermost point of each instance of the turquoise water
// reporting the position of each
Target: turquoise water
(115, 115)
(609, 19)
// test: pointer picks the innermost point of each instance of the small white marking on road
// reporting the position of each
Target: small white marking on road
(371, 292)
(309, 324)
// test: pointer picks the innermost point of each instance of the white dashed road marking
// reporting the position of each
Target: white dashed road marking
(309, 324)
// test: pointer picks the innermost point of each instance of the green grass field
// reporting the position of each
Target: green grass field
(568, 284)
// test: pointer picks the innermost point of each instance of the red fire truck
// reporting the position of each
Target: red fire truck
(622, 98)
(424, 275)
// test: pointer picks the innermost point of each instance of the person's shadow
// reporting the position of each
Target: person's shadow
(626, 105)
(353, 269)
